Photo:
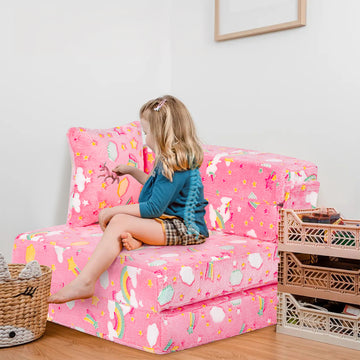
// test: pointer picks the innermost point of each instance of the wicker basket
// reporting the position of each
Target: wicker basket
(23, 306)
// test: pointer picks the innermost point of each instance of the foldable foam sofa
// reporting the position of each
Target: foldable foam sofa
(164, 299)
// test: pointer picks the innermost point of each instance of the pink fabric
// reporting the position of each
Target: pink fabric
(246, 189)
(164, 299)
(161, 299)
(149, 159)
(152, 277)
(94, 154)
(171, 330)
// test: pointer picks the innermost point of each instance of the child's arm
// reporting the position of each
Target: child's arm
(163, 193)
(107, 214)
(136, 173)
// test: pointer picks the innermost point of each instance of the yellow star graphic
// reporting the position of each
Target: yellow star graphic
(102, 205)
(150, 158)
(94, 300)
(72, 266)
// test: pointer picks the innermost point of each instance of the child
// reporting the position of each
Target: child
(171, 204)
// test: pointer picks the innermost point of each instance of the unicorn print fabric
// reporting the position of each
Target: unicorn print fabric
(164, 299)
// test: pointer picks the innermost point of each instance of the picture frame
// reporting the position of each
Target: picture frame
(241, 18)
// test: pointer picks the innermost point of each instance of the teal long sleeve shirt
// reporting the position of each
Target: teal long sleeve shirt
(183, 197)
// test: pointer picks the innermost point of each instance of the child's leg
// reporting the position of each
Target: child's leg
(148, 231)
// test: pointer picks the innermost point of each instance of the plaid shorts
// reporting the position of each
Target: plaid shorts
(176, 232)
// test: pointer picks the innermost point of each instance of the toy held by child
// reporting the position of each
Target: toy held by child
(171, 204)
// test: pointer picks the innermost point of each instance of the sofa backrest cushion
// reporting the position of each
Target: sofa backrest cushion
(246, 189)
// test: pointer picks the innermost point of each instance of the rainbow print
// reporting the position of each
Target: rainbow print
(311, 178)
(219, 220)
(73, 267)
(168, 345)
(242, 329)
(119, 321)
(253, 204)
(34, 235)
(90, 319)
(148, 349)
(210, 270)
(130, 201)
(261, 304)
(123, 283)
(132, 161)
(190, 330)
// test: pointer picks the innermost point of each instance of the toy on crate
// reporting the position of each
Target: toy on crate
(322, 216)
(24, 290)
(302, 230)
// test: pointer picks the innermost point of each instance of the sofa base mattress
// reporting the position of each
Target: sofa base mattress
(170, 330)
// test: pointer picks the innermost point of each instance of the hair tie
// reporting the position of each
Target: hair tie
(157, 108)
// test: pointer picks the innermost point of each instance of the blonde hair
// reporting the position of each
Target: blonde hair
(176, 146)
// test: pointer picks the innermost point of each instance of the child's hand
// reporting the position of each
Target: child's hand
(136, 173)
(122, 169)
(105, 216)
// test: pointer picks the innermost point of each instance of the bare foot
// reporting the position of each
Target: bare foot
(76, 289)
(129, 242)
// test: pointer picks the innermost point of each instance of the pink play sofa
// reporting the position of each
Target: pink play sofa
(164, 299)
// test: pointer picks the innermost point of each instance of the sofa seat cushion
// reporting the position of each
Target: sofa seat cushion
(154, 277)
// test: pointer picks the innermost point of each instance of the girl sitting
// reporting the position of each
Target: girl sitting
(171, 204)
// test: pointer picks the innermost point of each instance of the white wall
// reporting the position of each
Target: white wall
(91, 63)
(68, 63)
(293, 92)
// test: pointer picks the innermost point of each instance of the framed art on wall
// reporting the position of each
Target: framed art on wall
(241, 18)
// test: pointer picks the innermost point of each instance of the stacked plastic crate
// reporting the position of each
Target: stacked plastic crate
(319, 278)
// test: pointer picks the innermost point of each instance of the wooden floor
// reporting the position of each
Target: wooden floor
(60, 343)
